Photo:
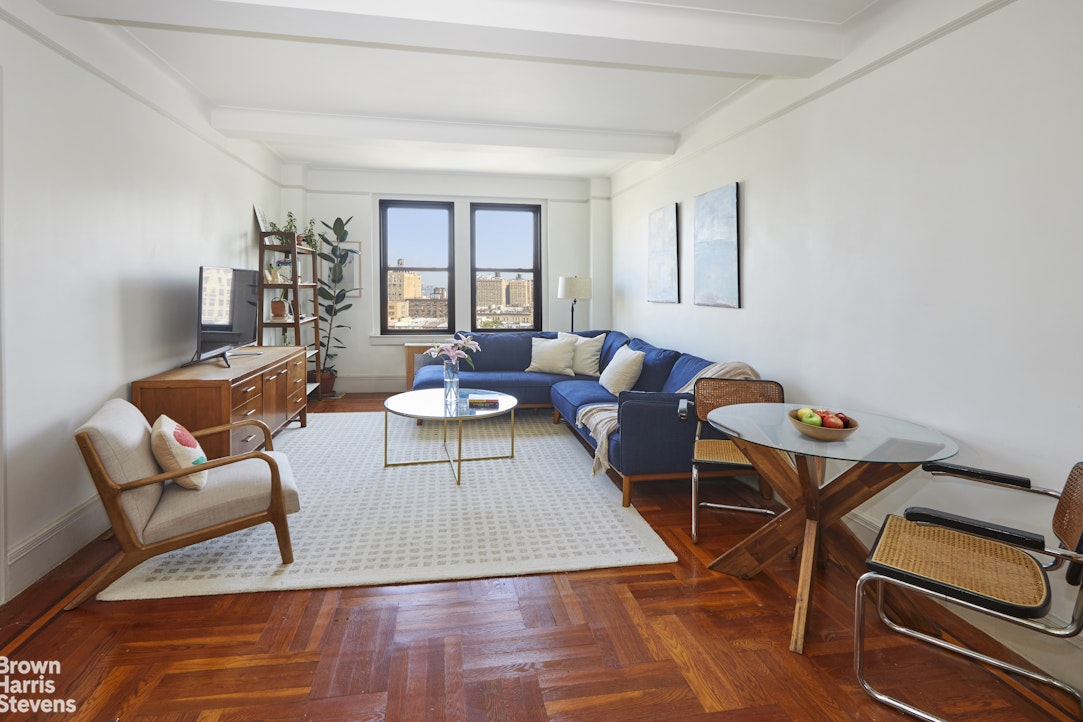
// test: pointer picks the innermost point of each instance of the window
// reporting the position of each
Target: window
(505, 243)
(418, 266)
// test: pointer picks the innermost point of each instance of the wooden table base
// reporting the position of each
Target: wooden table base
(814, 507)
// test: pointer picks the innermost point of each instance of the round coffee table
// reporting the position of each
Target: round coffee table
(428, 405)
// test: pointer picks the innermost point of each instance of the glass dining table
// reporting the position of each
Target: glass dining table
(882, 450)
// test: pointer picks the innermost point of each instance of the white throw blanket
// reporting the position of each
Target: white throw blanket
(601, 419)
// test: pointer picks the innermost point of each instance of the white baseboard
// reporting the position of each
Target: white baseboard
(369, 384)
(33, 558)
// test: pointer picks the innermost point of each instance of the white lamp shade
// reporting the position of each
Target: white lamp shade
(573, 287)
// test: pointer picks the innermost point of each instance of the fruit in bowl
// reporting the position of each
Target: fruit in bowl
(822, 424)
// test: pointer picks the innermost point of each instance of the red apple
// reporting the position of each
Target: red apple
(845, 419)
(833, 422)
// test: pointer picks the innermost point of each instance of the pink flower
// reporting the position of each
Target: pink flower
(456, 349)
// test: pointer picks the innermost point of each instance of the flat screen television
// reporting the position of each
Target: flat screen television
(228, 304)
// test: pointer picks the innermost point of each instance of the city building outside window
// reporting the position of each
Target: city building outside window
(418, 266)
(505, 245)
(417, 255)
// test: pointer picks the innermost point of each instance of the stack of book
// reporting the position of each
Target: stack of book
(480, 401)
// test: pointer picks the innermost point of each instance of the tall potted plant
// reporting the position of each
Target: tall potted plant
(332, 294)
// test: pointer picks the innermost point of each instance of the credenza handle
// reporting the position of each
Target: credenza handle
(249, 412)
(249, 390)
(248, 438)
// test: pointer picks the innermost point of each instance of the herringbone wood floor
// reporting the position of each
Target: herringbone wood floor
(669, 642)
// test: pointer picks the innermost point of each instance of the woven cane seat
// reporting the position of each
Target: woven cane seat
(990, 574)
(717, 451)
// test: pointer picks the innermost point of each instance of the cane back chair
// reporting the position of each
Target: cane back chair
(722, 454)
(987, 568)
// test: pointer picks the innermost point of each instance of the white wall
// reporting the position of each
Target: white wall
(371, 363)
(910, 246)
(115, 191)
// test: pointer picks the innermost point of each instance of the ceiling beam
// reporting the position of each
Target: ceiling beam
(583, 31)
(320, 128)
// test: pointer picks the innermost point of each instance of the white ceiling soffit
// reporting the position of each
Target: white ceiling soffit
(598, 82)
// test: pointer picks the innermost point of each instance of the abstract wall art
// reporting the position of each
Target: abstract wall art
(663, 278)
(717, 266)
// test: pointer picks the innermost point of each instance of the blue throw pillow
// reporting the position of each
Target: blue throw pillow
(657, 363)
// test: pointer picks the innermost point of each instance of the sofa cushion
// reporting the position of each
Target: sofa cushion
(657, 363)
(623, 371)
(683, 371)
(568, 396)
(588, 353)
(552, 355)
(503, 351)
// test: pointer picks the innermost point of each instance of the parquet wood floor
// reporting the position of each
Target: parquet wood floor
(667, 642)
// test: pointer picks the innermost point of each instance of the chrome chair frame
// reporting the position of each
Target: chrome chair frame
(1033, 544)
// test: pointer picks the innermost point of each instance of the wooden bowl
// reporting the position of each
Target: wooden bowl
(820, 433)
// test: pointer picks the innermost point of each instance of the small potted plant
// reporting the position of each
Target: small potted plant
(332, 294)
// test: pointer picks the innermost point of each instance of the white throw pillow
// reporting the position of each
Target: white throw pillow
(623, 371)
(552, 355)
(175, 448)
(588, 353)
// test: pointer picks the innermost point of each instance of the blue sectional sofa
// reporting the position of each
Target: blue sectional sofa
(650, 442)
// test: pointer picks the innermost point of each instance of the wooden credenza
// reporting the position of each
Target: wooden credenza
(270, 386)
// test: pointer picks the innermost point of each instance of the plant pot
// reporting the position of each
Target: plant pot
(326, 381)
(327, 384)
(278, 308)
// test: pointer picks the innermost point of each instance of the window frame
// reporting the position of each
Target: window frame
(536, 271)
(385, 268)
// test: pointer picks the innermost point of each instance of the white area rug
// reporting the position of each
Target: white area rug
(362, 524)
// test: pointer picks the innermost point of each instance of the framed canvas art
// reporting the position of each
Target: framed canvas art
(717, 262)
(663, 278)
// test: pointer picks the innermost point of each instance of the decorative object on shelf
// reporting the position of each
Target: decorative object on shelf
(284, 270)
(453, 351)
(309, 236)
(333, 291)
(261, 219)
(717, 273)
(663, 279)
(573, 287)
(280, 309)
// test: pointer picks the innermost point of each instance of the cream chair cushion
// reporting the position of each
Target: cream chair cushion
(121, 436)
(231, 491)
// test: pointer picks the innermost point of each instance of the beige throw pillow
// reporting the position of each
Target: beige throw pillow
(175, 448)
(623, 371)
(588, 353)
(552, 355)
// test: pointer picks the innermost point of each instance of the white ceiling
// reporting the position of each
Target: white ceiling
(550, 87)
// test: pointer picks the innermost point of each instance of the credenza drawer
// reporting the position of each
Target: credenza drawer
(246, 390)
(297, 401)
(298, 369)
(251, 409)
(245, 438)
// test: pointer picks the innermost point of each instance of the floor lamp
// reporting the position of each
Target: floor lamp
(573, 287)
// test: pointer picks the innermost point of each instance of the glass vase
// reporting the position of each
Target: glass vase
(451, 383)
